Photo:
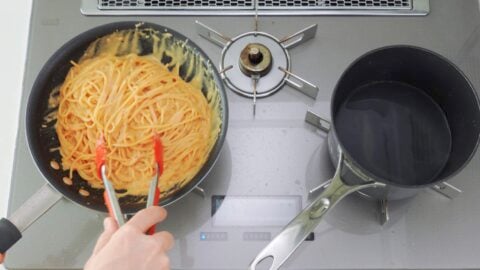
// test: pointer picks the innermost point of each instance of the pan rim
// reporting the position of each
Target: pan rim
(368, 173)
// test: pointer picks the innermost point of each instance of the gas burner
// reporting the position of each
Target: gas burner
(252, 56)
(257, 64)
(255, 60)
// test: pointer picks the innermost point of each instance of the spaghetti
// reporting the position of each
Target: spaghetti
(129, 98)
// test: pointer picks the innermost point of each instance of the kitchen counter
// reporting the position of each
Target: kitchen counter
(16, 16)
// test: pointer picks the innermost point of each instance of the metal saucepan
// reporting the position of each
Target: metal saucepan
(42, 137)
(403, 119)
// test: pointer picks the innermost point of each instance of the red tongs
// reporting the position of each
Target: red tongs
(111, 200)
(154, 191)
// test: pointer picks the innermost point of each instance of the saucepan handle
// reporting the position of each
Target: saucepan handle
(11, 229)
(285, 243)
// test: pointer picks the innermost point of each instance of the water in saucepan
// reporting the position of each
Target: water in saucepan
(395, 131)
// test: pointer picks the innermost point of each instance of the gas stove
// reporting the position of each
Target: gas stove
(272, 157)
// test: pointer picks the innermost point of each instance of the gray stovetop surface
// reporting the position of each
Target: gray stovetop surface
(276, 154)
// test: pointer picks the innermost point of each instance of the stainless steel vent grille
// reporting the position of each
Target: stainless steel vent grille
(121, 4)
(337, 3)
(145, 4)
(247, 7)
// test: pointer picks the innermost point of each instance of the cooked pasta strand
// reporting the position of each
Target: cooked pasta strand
(128, 99)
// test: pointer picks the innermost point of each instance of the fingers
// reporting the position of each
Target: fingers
(2, 257)
(110, 227)
(147, 217)
(165, 239)
(162, 262)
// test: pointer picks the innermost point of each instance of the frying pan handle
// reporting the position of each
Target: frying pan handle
(11, 229)
(287, 241)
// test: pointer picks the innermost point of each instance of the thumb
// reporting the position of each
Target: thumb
(110, 227)
(2, 257)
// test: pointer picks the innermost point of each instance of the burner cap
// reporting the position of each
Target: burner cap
(255, 59)
(255, 54)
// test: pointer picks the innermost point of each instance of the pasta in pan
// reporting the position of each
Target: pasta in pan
(129, 98)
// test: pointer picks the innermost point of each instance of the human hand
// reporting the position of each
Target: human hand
(129, 247)
(2, 257)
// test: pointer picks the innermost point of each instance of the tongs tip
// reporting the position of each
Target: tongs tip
(100, 154)
(158, 149)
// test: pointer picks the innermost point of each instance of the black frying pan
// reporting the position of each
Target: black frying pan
(41, 135)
